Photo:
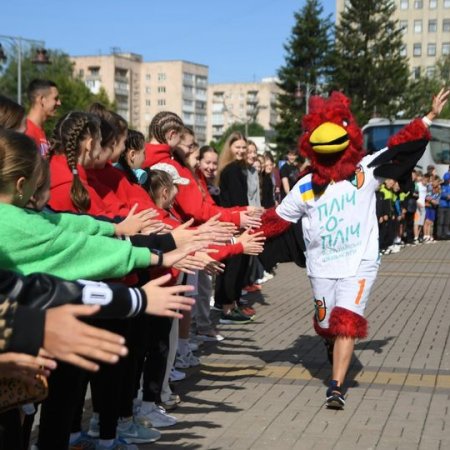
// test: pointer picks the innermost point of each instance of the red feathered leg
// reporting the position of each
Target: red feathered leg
(346, 323)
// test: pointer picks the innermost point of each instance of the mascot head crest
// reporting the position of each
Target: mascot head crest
(331, 139)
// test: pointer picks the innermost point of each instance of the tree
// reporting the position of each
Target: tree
(75, 95)
(253, 128)
(306, 61)
(368, 65)
(417, 98)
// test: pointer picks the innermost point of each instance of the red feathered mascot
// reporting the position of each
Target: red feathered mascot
(335, 202)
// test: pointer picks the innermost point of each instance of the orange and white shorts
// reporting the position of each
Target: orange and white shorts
(351, 293)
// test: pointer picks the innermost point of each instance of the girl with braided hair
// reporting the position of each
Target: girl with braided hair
(75, 147)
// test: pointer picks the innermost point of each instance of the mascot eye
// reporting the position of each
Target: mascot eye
(345, 123)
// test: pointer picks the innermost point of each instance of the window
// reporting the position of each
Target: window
(446, 48)
(148, 90)
(188, 117)
(432, 26)
(417, 49)
(431, 49)
(433, 4)
(161, 76)
(418, 4)
(94, 71)
(446, 25)
(161, 89)
(446, 3)
(147, 103)
(403, 26)
(417, 26)
(416, 72)
(430, 71)
(161, 102)
(188, 77)
(404, 4)
(148, 77)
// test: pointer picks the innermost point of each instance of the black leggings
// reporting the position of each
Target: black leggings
(156, 335)
(230, 283)
(11, 430)
(58, 409)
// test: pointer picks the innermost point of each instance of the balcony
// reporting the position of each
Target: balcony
(200, 94)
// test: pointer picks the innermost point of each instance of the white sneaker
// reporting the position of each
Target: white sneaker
(395, 248)
(266, 277)
(151, 415)
(176, 375)
(186, 361)
(213, 337)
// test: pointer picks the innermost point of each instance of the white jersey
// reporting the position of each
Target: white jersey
(340, 226)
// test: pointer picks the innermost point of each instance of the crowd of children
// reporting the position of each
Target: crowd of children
(143, 222)
(159, 228)
(415, 213)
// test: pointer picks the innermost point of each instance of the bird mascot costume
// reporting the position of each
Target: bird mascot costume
(335, 202)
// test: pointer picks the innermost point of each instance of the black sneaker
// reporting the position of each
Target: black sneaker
(235, 316)
(329, 344)
(335, 398)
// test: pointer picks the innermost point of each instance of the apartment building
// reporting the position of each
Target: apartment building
(142, 89)
(243, 103)
(426, 30)
(177, 86)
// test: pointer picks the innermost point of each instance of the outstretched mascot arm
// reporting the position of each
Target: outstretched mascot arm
(407, 146)
(272, 224)
(404, 151)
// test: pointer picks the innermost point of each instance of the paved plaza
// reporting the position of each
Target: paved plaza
(263, 387)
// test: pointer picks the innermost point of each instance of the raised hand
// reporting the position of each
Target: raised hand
(182, 235)
(248, 221)
(72, 341)
(253, 243)
(211, 266)
(135, 222)
(255, 211)
(164, 301)
(156, 226)
(439, 101)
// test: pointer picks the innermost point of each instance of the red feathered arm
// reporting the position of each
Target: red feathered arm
(414, 131)
(404, 151)
(272, 224)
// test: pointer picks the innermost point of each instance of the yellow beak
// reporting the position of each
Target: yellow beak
(329, 138)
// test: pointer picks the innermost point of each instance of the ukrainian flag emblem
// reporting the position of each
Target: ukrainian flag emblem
(306, 191)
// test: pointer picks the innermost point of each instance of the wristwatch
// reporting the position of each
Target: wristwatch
(160, 256)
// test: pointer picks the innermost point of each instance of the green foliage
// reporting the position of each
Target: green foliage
(73, 92)
(306, 63)
(417, 98)
(367, 61)
(253, 128)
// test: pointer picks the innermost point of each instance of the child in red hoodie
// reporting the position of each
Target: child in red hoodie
(166, 131)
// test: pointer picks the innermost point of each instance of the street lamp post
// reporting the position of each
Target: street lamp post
(17, 43)
(308, 91)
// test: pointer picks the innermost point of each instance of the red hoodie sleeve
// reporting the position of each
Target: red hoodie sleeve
(226, 251)
(190, 202)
